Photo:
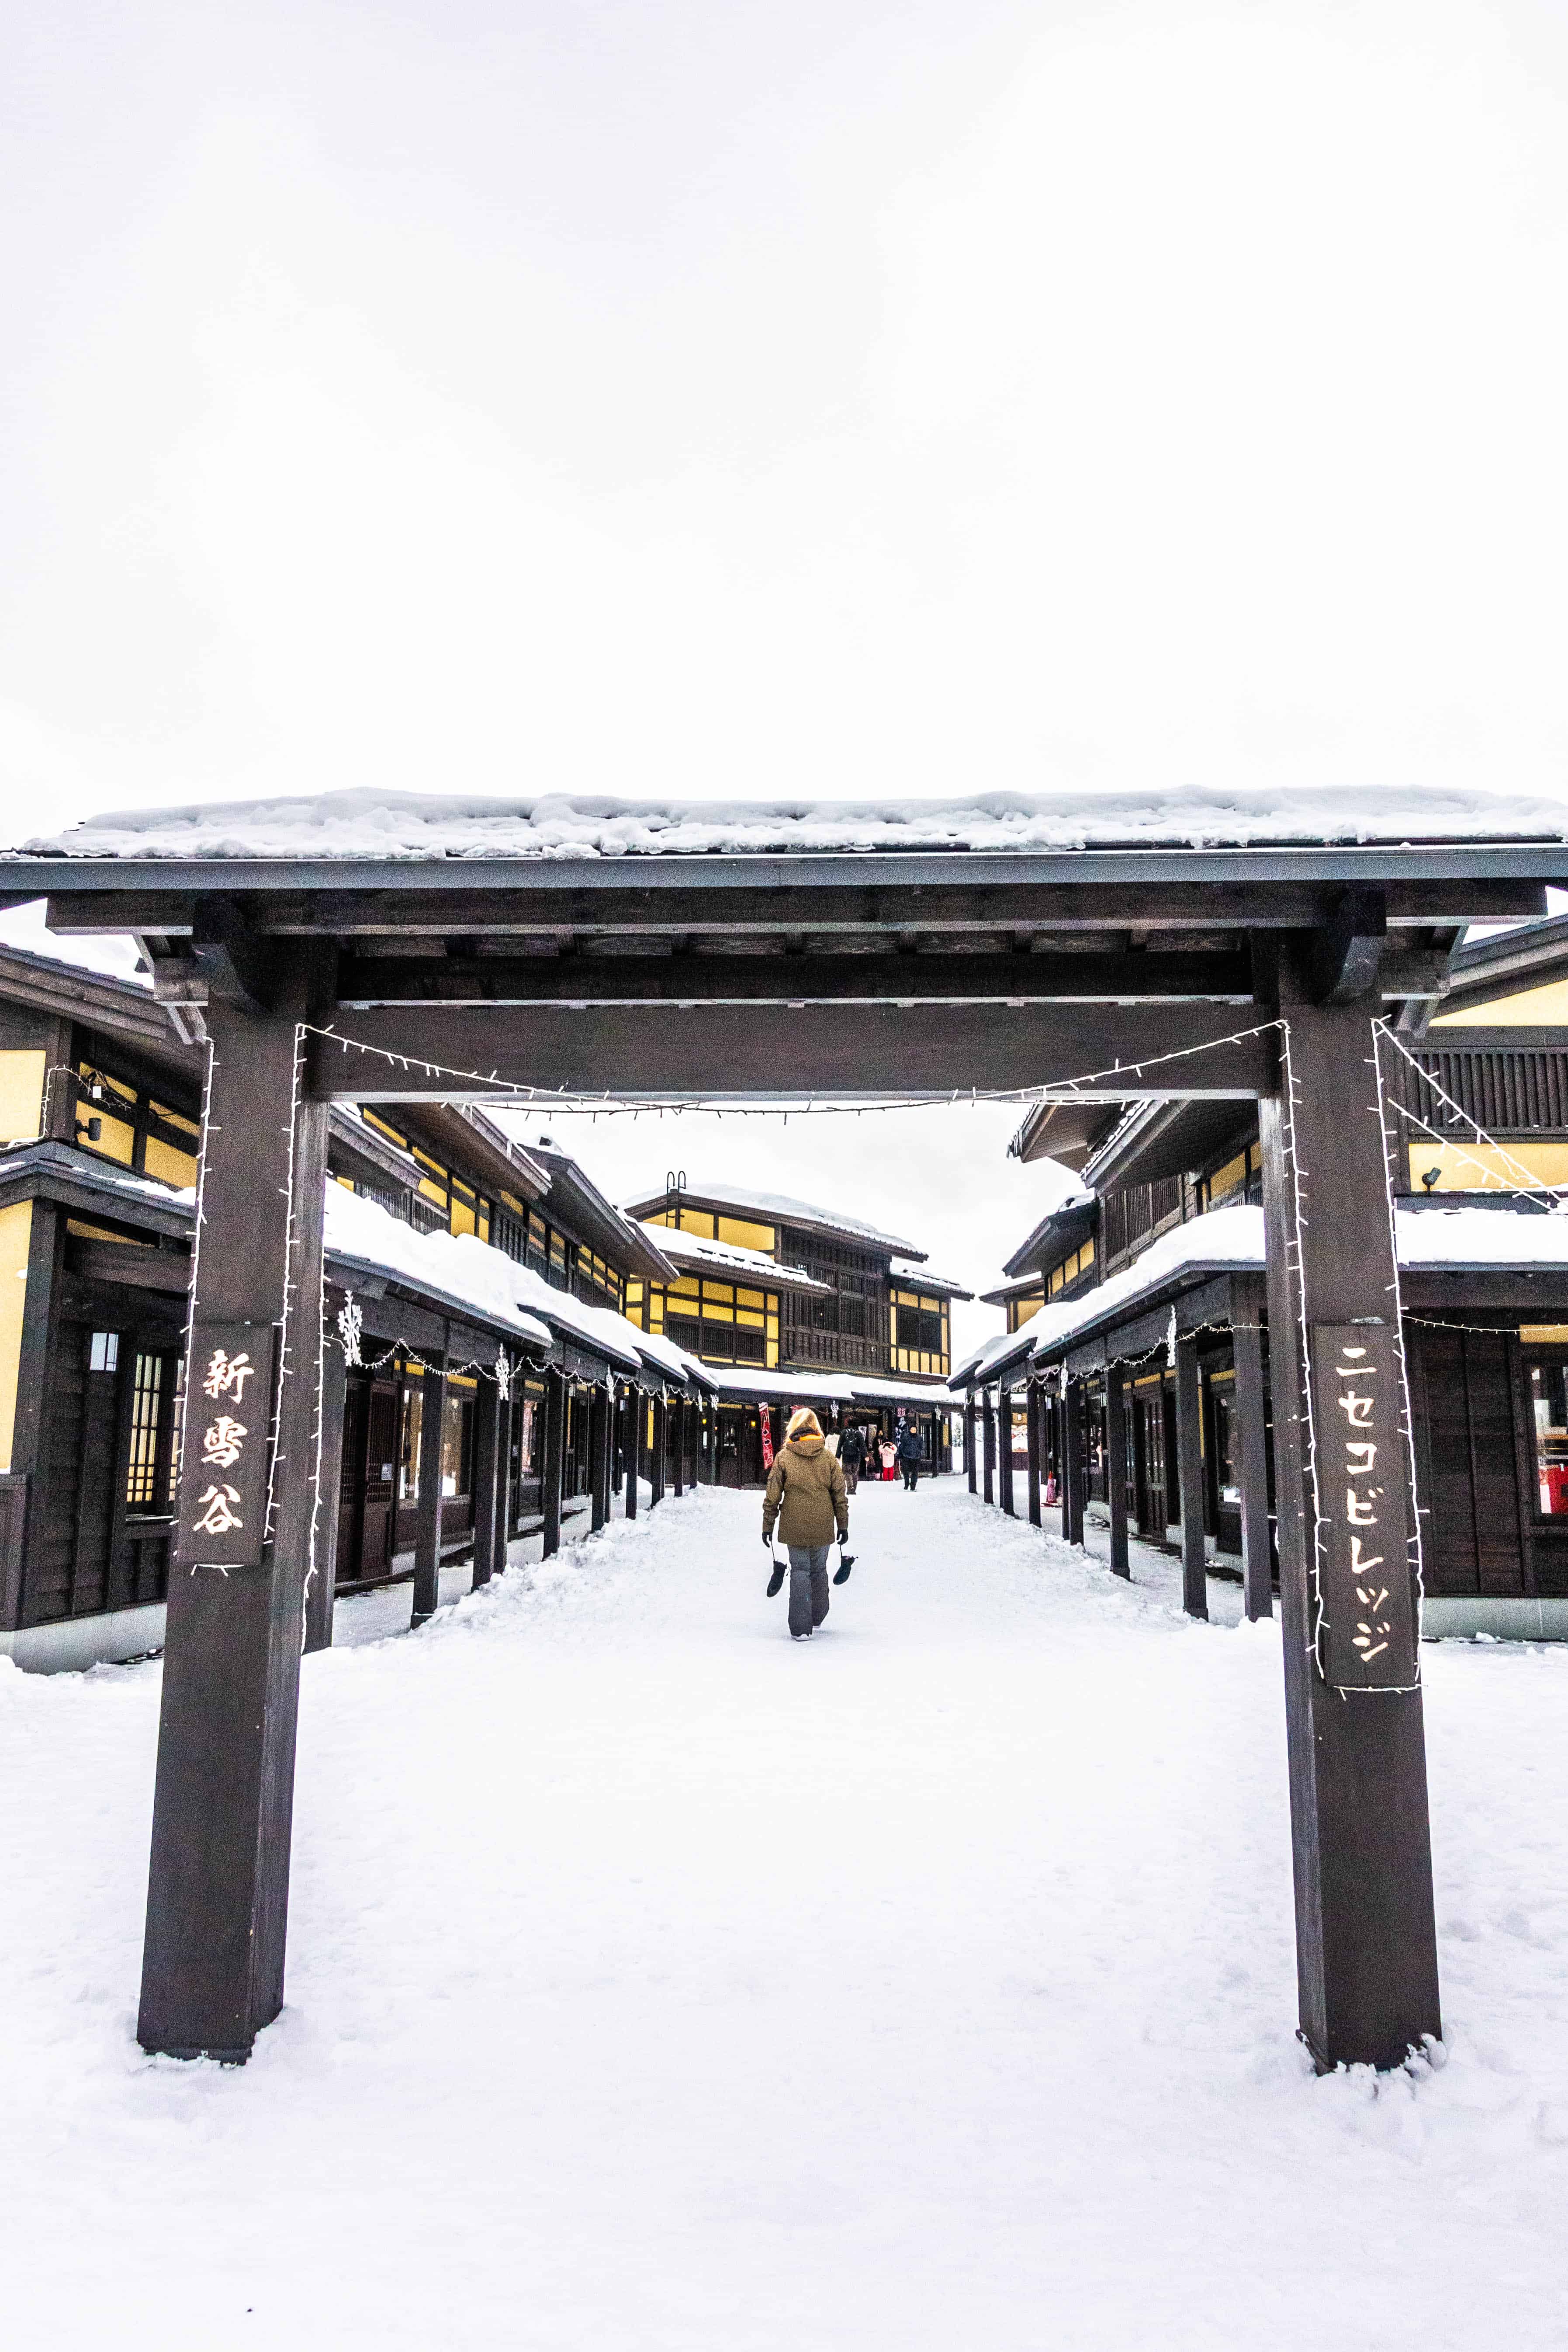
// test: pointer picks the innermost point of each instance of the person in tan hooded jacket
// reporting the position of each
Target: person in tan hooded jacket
(807, 1499)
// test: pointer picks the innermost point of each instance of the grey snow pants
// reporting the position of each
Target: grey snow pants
(807, 1587)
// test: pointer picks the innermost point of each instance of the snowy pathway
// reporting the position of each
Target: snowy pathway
(656, 1982)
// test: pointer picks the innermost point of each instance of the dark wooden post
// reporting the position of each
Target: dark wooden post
(969, 1446)
(1072, 1458)
(321, 1578)
(1116, 1467)
(1189, 1479)
(1252, 1436)
(678, 1447)
(554, 1459)
(656, 1466)
(486, 1477)
(1005, 1443)
(1366, 1950)
(504, 1411)
(634, 1409)
(988, 1423)
(217, 1894)
(1032, 1417)
(427, 1527)
(598, 1459)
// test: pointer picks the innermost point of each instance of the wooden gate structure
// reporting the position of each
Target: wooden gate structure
(1137, 968)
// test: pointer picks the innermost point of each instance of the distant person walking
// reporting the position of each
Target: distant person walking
(888, 1453)
(909, 1453)
(851, 1454)
(807, 1499)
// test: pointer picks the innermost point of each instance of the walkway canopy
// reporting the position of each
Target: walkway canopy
(1099, 948)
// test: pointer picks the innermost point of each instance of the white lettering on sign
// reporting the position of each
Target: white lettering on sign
(1366, 1625)
(219, 1516)
(224, 1443)
(225, 1375)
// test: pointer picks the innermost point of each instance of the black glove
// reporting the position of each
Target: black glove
(769, 1542)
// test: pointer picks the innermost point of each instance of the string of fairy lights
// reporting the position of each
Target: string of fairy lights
(1092, 1085)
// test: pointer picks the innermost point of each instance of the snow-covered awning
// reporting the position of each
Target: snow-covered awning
(1448, 1241)
(727, 1257)
(371, 824)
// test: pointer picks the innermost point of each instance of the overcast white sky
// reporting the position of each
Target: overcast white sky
(748, 398)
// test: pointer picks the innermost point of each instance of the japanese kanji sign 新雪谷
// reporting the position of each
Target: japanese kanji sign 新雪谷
(223, 1478)
(1366, 1630)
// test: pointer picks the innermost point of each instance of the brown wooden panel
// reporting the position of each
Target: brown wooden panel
(1451, 1568)
(1500, 1551)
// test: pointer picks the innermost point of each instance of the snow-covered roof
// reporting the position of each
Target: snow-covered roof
(370, 823)
(454, 1267)
(936, 1286)
(835, 1387)
(600, 1329)
(1427, 1240)
(780, 1209)
(690, 1249)
(1021, 1287)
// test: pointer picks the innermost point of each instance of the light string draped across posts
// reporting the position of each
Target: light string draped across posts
(1380, 1029)
(1530, 1187)
(610, 1104)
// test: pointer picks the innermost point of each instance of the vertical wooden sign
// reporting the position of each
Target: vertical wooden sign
(223, 1478)
(1366, 1630)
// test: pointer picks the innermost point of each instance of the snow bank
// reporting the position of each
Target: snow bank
(370, 823)
(655, 1983)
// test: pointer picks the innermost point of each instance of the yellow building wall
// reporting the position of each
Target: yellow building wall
(22, 1095)
(16, 1233)
(1533, 1008)
(1488, 1166)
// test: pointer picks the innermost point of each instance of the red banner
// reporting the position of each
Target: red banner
(767, 1421)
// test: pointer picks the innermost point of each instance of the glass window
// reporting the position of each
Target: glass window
(1225, 1439)
(1549, 1401)
(146, 1418)
(104, 1354)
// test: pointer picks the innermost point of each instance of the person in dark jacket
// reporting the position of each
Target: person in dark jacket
(807, 1497)
(909, 1453)
(851, 1454)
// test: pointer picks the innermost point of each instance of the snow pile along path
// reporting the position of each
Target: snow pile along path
(658, 1982)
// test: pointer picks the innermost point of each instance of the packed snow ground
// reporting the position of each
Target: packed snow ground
(656, 1982)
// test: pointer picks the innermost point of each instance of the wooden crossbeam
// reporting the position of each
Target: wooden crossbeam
(852, 896)
(587, 980)
(735, 1051)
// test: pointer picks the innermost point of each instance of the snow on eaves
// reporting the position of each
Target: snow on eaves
(456, 1267)
(833, 1387)
(473, 1273)
(366, 823)
(690, 1249)
(786, 1211)
(1455, 1240)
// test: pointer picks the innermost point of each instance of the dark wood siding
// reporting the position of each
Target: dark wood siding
(1472, 1541)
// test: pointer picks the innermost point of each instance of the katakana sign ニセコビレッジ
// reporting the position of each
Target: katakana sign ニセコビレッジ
(1366, 1631)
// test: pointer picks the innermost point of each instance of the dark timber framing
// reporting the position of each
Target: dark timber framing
(643, 976)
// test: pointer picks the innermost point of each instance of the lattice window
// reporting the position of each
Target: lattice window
(146, 1418)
